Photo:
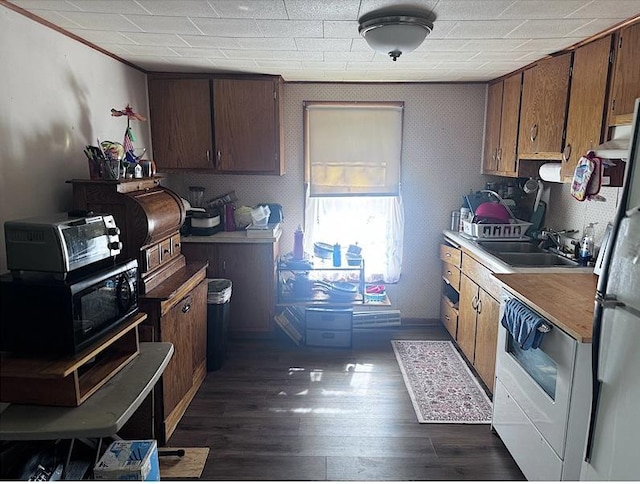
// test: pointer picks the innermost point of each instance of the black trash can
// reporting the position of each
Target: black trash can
(218, 302)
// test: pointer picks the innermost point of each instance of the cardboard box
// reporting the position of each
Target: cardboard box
(129, 460)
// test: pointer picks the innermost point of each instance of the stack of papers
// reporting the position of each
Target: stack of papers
(269, 230)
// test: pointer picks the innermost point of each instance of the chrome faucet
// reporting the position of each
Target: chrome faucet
(554, 237)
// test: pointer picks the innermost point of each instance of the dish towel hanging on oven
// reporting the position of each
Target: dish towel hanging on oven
(526, 327)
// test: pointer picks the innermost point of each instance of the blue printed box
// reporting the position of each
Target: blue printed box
(129, 460)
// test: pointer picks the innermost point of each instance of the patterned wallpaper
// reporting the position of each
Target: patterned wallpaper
(441, 154)
(567, 213)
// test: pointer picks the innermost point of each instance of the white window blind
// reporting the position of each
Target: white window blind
(353, 148)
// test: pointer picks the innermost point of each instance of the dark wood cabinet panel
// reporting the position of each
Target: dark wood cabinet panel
(246, 123)
(626, 79)
(587, 103)
(251, 270)
(181, 131)
(220, 125)
(543, 110)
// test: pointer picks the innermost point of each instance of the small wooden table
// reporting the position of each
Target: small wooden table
(101, 415)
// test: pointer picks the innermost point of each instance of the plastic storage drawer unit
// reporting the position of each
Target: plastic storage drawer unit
(329, 327)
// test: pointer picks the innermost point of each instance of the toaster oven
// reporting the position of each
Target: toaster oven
(60, 243)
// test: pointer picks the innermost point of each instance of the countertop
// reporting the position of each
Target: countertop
(565, 299)
(236, 237)
(564, 295)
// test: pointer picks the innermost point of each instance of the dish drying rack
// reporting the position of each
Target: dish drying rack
(511, 231)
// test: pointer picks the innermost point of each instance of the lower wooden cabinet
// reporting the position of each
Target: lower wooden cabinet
(251, 269)
(177, 311)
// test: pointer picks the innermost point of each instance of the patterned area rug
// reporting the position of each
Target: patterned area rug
(441, 386)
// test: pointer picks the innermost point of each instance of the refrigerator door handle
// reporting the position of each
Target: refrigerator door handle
(595, 382)
(609, 301)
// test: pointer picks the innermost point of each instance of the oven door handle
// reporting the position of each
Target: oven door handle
(125, 292)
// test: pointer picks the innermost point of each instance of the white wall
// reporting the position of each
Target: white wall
(441, 153)
(56, 98)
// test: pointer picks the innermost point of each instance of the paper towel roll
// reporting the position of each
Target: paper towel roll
(551, 172)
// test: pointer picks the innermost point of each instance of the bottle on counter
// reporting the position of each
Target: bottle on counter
(337, 256)
(298, 244)
(587, 244)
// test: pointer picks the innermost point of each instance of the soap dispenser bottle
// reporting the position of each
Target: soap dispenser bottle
(587, 244)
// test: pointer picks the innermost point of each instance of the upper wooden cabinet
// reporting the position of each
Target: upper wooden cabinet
(492, 130)
(180, 112)
(544, 108)
(587, 103)
(508, 151)
(503, 117)
(626, 78)
(221, 125)
(247, 126)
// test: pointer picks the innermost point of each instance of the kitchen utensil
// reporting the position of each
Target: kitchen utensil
(323, 250)
(534, 185)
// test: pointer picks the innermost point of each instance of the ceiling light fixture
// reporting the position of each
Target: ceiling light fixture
(395, 34)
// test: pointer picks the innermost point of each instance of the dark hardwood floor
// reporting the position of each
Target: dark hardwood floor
(276, 411)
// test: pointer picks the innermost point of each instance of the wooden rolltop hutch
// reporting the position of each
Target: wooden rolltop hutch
(172, 292)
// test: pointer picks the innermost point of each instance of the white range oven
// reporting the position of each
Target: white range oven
(541, 402)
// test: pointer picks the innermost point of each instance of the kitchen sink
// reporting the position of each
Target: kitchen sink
(512, 246)
(544, 259)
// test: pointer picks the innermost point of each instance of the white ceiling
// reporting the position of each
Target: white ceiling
(318, 40)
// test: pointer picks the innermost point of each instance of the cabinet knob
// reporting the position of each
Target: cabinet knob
(186, 308)
(208, 154)
(479, 306)
(447, 317)
(533, 132)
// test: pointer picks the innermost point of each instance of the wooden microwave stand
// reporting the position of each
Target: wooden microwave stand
(173, 292)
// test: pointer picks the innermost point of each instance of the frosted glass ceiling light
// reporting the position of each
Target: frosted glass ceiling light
(395, 35)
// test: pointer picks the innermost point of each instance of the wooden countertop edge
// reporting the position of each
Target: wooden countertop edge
(191, 275)
(237, 237)
(566, 300)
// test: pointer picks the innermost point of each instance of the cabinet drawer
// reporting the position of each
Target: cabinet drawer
(160, 253)
(451, 275)
(328, 319)
(329, 338)
(449, 317)
(451, 255)
(481, 276)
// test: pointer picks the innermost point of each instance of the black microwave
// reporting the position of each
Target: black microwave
(43, 314)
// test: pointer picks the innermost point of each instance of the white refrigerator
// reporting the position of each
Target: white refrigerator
(612, 449)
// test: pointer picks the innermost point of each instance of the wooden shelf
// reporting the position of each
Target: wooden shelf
(68, 381)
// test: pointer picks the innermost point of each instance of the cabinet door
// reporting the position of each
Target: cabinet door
(587, 103)
(199, 324)
(177, 378)
(626, 79)
(486, 337)
(196, 252)
(251, 270)
(467, 316)
(544, 104)
(247, 131)
(492, 135)
(508, 151)
(180, 111)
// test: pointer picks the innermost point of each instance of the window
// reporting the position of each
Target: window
(352, 176)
